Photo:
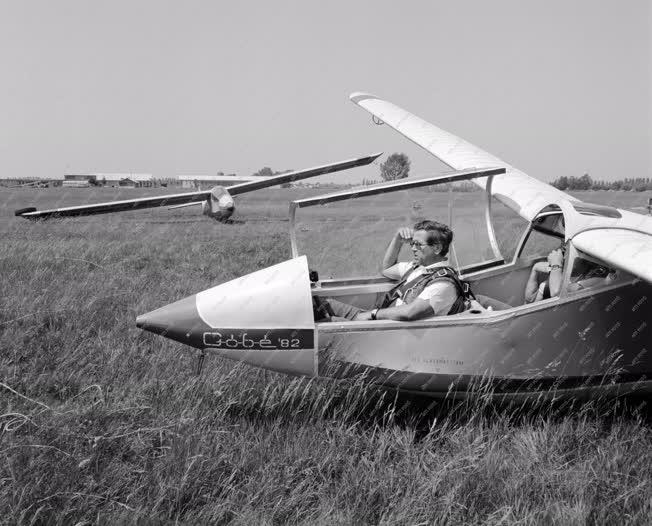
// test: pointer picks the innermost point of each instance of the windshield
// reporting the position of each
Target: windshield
(348, 238)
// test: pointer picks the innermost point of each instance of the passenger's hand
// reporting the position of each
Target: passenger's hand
(363, 316)
(542, 267)
(556, 257)
(405, 234)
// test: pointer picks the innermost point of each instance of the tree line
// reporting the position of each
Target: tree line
(637, 184)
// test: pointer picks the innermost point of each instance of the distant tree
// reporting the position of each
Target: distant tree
(561, 183)
(268, 172)
(598, 185)
(585, 182)
(397, 166)
(264, 172)
(616, 185)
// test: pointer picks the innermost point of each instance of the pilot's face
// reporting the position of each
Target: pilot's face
(423, 252)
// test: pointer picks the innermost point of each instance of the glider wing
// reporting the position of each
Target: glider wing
(628, 250)
(291, 177)
(117, 206)
(525, 195)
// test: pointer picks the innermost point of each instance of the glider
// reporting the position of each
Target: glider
(217, 203)
(593, 338)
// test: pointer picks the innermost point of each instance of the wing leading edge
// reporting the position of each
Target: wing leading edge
(525, 195)
(117, 206)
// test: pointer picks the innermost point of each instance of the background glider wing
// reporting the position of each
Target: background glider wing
(303, 174)
(525, 195)
(118, 206)
(182, 206)
(193, 197)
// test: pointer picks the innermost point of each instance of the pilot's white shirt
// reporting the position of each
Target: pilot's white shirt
(441, 295)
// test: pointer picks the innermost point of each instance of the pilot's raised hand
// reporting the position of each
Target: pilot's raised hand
(405, 234)
(556, 258)
(402, 237)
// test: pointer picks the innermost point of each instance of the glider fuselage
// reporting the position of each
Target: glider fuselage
(593, 339)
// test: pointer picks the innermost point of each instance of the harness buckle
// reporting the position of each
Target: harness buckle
(441, 273)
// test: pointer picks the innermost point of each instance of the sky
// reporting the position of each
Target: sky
(198, 87)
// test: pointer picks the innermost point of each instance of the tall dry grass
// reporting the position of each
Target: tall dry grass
(102, 423)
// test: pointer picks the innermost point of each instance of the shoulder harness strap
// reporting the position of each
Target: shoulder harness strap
(408, 290)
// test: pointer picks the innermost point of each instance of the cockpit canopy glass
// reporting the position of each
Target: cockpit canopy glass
(348, 238)
(546, 235)
(551, 224)
(590, 273)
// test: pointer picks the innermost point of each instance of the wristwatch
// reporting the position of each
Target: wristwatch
(555, 266)
(373, 314)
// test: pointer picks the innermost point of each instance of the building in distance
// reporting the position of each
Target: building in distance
(124, 180)
(208, 181)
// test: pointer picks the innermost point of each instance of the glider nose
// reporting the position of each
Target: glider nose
(264, 319)
(178, 321)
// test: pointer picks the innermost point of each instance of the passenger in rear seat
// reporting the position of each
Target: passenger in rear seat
(546, 277)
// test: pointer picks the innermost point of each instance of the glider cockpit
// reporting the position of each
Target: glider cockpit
(500, 274)
(340, 222)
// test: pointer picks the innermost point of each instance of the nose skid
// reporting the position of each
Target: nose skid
(264, 319)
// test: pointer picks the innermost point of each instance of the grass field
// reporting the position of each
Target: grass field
(102, 423)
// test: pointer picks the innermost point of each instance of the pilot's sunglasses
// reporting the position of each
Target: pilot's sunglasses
(419, 245)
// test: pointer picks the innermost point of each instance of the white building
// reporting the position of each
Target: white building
(207, 181)
(108, 179)
(124, 179)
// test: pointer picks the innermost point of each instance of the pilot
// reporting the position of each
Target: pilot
(426, 286)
